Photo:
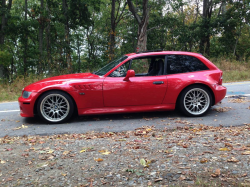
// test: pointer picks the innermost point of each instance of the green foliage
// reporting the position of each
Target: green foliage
(173, 25)
(5, 58)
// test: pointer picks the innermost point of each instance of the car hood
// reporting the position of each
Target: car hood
(60, 81)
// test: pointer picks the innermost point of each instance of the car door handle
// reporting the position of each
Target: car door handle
(158, 82)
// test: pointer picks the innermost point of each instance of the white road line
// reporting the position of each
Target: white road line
(236, 83)
(238, 95)
(9, 111)
(8, 102)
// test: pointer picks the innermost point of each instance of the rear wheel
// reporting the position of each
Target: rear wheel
(195, 100)
(55, 107)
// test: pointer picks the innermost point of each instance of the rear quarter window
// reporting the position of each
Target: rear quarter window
(184, 64)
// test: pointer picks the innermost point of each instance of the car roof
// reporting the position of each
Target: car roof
(163, 53)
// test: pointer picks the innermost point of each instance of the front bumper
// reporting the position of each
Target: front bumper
(27, 105)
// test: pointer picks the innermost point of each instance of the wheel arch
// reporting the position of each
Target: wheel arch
(200, 84)
(35, 105)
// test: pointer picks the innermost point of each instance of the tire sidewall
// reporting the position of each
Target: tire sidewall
(69, 99)
(182, 96)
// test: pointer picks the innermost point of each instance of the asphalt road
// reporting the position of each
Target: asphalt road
(12, 124)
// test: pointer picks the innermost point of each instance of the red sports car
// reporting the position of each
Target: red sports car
(136, 82)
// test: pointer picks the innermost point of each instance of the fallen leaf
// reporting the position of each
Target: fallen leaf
(50, 151)
(2, 162)
(106, 153)
(157, 180)
(160, 138)
(246, 153)
(50, 157)
(182, 177)
(84, 150)
(233, 159)
(66, 152)
(184, 145)
(145, 163)
(21, 127)
(224, 149)
(216, 173)
(203, 160)
(64, 174)
(121, 140)
(98, 159)
(24, 126)
(102, 151)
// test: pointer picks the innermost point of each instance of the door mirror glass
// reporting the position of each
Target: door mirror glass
(130, 73)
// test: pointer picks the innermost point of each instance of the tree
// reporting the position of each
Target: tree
(4, 14)
(142, 24)
(116, 17)
(40, 36)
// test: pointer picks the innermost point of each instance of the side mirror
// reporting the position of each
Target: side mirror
(130, 73)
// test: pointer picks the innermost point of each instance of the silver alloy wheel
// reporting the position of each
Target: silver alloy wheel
(54, 107)
(196, 101)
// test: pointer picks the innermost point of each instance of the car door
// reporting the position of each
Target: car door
(148, 87)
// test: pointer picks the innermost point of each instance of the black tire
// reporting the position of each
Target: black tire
(55, 107)
(195, 100)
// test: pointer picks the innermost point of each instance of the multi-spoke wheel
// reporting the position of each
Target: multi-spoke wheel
(195, 100)
(55, 107)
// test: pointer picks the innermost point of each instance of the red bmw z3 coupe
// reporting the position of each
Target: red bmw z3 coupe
(136, 82)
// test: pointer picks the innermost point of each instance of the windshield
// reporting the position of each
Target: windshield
(110, 66)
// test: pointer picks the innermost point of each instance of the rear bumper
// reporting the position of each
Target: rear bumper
(219, 93)
(27, 105)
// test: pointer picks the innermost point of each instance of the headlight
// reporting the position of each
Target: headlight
(26, 94)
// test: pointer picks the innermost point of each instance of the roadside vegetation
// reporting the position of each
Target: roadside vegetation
(233, 71)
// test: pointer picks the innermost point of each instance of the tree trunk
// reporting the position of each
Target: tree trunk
(48, 42)
(142, 24)
(112, 32)
(67, 35)
(205, 34)
(142, 34)
(79, 54)
(3, 5)
(25, 41)
(4, 22)
(40, 36)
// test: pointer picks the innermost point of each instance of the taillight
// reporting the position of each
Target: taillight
(220, 80)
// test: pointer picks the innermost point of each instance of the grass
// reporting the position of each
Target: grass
(233, 71)
(11, 92)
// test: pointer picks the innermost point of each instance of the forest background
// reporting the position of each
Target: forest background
(44, 38)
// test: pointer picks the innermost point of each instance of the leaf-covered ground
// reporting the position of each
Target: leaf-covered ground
(193, 155)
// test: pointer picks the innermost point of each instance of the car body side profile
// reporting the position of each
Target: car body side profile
(136, 82)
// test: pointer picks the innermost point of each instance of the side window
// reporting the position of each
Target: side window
(148, 66)
(144, 66)
(184, 64)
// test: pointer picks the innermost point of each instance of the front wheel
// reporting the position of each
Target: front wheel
(195, 100)
(55, 107)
